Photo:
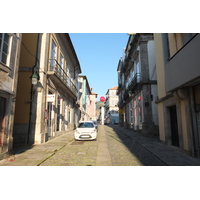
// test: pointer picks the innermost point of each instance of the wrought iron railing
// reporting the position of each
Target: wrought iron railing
(55, 67)
(132, 85)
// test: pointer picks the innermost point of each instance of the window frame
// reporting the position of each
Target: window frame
(54, 58)
(2, 45)
(6, 67)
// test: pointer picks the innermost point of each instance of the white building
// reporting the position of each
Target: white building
(111, 106)
(137, 82)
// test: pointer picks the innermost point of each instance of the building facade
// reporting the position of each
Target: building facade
(84, 96)
(178, 71)
(137, 85)
(10, 45)
(48, 107)
(93, 114)
(111, 106)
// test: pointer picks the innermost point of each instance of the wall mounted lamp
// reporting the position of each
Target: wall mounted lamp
(35, 81)
(34, 78)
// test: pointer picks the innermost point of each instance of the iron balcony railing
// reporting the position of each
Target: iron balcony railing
(133, 85)
(58, 70)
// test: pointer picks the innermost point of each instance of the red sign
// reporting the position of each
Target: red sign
(102, 99)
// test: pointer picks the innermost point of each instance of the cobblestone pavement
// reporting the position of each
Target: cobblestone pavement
(120, 154)
(115, 146)
(111, 144)
(75, 153)
(127, 152)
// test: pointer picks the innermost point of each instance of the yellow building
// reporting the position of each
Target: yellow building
(47, 106)
(178, 76)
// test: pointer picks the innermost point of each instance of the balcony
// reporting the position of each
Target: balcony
(133, 85)
(183, 68)
(60, 78)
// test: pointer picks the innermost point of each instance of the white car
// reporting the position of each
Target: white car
(86, 130)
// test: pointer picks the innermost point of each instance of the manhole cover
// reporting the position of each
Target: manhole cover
(77, 142)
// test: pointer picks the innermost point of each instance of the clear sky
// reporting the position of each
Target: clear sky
(98, 55)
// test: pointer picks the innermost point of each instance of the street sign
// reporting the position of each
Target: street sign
(121, 112)
(50, 97)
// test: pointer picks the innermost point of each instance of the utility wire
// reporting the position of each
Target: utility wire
(27, 48)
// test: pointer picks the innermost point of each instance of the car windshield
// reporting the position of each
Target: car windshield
(95, 122)
(86, 125)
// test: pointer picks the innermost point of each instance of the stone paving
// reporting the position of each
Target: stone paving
(151, 152)
(103, 154)
(115, 146)
(121, 156)
(36, 154)
(75, 153)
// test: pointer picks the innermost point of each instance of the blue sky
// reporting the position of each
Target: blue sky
(99, 54)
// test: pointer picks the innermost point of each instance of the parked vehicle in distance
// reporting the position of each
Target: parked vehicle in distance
(86, 130)
(96, 125)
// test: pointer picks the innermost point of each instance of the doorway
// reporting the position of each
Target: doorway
(174, 126)
(50, 119)
(2, 119)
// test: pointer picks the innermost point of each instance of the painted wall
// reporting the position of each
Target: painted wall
(160, 67)
(184, 63)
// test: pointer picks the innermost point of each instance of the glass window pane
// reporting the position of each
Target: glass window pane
(3, 58)
(61, 60)
(5, 48)
(53, 50)
(6, 38)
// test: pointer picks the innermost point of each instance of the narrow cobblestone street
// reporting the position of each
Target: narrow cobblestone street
(115, 146)
(127, 152)
(112, 148)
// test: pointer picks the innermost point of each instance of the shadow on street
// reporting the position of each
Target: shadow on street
(20, 149)
(143, 155)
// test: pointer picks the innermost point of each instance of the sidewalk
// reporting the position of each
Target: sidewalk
(35, 155)
(167, 154)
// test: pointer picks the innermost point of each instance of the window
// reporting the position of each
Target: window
(61, 60)
(86, 125)
(61, 65)
(176, 41)
(4, 46)
(67, 68)
(186, 37)
(53, 55)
